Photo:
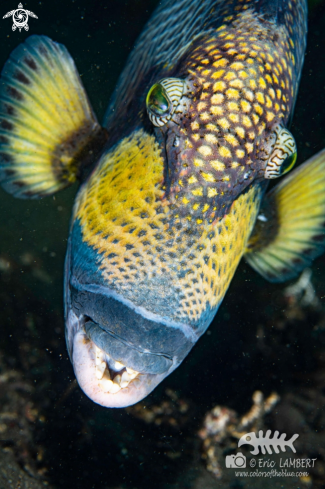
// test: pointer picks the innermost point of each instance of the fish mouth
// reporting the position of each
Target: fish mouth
(106, 380)
(120, 352)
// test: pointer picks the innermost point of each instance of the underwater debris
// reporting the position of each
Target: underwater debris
(13, 477)
(222, 428)
(4, 264)
(171, 412)
(302, 291)
(18, 415)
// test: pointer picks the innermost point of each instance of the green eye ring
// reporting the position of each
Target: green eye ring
(283, 156)
(163, 99)
(288, 163)
(157, 101)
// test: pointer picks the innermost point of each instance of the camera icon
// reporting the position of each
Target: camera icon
(237, 461)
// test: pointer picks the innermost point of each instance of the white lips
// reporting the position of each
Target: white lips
(106, 381)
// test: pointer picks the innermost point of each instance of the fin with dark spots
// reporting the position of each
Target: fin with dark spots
(290, 229)
(48, 130)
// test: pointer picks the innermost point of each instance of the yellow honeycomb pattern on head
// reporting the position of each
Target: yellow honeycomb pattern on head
(243, 81)
(143, 251)
(212, 261)
(119, 199)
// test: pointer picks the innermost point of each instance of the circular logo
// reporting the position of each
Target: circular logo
(240, 461)
(20, 18)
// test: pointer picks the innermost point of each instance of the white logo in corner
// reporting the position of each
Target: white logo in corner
(266, 443)
(20, 18)
(237, 461)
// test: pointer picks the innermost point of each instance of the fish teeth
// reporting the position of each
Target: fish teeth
(115, 388)
(118, 366)
(125, 380)
(117, 379)
(132, 373)
(100, 363)
(106, 383)
(114, 364)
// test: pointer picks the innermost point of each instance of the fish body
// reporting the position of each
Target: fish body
(168, 242)
(266, 443)
(171, 185)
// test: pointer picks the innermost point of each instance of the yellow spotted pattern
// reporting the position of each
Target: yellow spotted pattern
(124, 215)
(172, 245)
(243, 83)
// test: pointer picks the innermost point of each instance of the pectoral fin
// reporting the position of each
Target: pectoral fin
(290, 229)
(47, 126)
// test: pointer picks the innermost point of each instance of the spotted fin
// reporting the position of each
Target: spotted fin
(290, 228)
(48, 129)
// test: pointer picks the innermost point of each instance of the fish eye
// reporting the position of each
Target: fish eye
(288, 163)
(157, 101)
(283, 156)
(163, 100)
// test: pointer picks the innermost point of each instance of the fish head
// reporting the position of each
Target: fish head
(137, 370)
(248, 438)
(162, 222)
(124, 327)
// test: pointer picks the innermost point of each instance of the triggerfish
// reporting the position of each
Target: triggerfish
(173, 183)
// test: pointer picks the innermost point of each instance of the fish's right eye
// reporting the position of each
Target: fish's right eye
(163, 99)
(283, 156)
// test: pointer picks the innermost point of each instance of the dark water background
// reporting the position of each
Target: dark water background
(85, 445)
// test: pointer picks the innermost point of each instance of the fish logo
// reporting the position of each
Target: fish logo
(20, 18)
(266, 443)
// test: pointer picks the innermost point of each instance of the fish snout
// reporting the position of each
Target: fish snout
(119, 352)
(127, 354)
(105, 380)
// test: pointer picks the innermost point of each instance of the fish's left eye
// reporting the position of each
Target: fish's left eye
(163, 99)
(157, 101)
(283, 156)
